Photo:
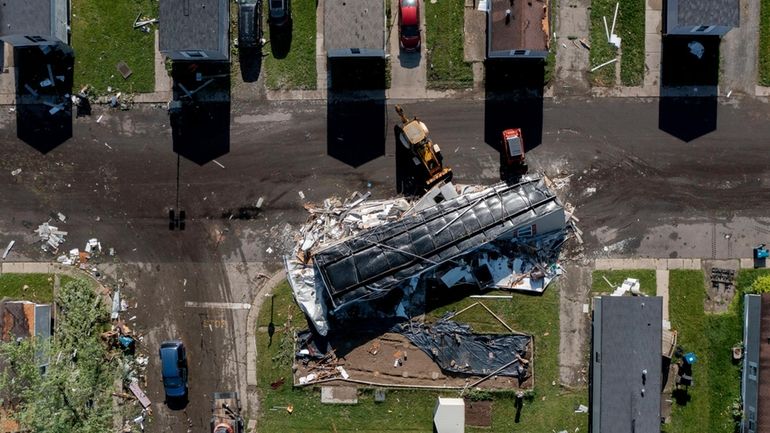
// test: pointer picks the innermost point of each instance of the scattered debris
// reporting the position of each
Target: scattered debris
(581, 409)
(16, 172)
(124, 70)
(61, 217)
(696, 49)
(51, 236)
(8, 249)
(609, 62)
(217, 163)
(630, 285)
(134, 387)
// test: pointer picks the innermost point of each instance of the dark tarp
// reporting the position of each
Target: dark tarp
(451, 345)
(458, 350)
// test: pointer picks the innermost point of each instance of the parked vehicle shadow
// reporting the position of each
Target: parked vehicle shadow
(200, 110)
(355, 110)
(514, 99)
(177, 403)
(250, 61)
(280, 39)
(43, 104)
(689, 86)
(409, 60)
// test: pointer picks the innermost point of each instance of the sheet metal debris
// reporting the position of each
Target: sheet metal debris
(363, 258)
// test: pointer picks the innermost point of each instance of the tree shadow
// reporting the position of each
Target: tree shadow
(689, 86)
(200, 111)
(280, 39)
(514, 99)
(356, 110)
(44, 77)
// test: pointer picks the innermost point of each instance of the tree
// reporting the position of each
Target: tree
(761, 285)
(74, 395)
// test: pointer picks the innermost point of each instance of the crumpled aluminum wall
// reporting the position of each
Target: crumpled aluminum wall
(371, 264)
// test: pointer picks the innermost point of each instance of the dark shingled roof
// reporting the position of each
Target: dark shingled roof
(627, 339)
(28, 17)
(194, 25)
(708, 13)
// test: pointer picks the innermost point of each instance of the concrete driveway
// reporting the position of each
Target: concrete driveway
(407, 70)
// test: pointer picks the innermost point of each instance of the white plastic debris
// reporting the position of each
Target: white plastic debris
(343, 373)
(696, 49)
(260, 201)
(8, 249)
(61, 217)
(16, 172)
(301, 195)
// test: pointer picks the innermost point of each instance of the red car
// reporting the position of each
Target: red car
(409, 24)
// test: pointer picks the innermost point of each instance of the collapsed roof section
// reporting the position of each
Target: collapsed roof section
(371, 264)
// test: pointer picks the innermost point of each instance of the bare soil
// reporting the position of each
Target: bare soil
(478, 413)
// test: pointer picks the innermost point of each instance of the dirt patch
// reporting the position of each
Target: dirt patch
(375, 362)
(478, 413)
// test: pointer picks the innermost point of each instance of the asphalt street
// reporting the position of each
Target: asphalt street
(637, 190)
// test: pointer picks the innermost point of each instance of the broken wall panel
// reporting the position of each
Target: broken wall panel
(440, 233)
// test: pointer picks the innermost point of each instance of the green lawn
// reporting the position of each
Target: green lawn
(550, 408)
(103, 35)
(646, 279)
(290, 60)
(630, 27)
(764, 43)
(711, 337)
(444, 23)
(39, 287)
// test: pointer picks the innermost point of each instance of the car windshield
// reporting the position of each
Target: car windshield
(172, 382)
(410, 31)
(409, 3)
(276, 4)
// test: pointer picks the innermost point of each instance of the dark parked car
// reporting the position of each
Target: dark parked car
(173, 364)
(249, 23)
(280, 12)
(409, 24)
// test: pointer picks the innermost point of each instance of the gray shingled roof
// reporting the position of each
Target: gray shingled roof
(708, 13)
(194, 25)
(627, 340)
(27, 17)
(354, 24)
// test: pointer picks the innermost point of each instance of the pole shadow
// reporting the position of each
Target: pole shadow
(356, 110)
(514, 99)
(44, 77)
(200, 111)
(688, 86)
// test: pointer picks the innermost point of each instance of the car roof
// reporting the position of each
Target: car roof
(409, 16)
(168, 360)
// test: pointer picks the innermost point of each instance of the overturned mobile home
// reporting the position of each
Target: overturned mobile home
(503, 236)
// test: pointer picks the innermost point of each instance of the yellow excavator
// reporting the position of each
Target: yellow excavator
(413, 135)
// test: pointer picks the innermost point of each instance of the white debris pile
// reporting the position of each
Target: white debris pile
(51, 237)
(338, 220)
(630, 285)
